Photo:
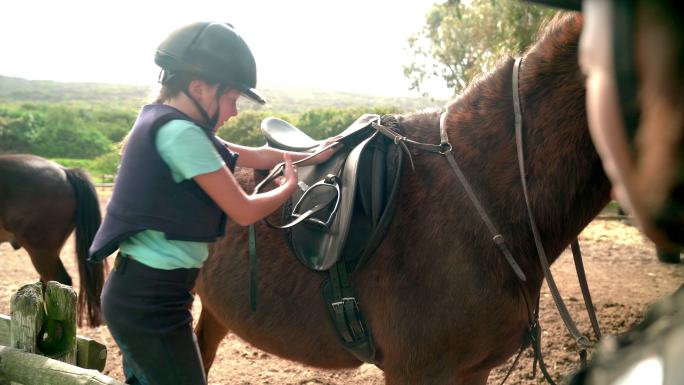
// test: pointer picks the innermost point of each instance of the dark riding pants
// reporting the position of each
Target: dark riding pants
(148, 312)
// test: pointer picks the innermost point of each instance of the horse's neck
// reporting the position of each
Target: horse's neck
(566, 182)
(568, 186)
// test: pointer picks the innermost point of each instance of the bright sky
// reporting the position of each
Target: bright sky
(351, 45)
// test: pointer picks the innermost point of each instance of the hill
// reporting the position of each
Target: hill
(290, 100)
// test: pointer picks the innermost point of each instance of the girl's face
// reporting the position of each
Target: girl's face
(228, 106)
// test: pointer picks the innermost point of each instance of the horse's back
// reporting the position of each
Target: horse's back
(35, 195)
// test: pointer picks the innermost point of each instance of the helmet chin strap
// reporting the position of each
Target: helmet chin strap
(202, 111)
(210, 121)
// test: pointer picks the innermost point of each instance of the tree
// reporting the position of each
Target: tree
(245, 128)
(461, 40)
(17, 130)
(65, 135)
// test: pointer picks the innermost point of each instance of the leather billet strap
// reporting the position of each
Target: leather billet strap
(343, 307)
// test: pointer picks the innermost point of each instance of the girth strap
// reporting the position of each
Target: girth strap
(343, 307)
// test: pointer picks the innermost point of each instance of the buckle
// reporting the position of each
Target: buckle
(338, 304)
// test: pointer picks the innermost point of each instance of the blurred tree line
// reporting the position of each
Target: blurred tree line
(68, 131)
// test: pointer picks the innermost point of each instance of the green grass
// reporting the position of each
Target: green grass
(89, 165)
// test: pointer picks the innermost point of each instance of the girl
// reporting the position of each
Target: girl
(173, 191)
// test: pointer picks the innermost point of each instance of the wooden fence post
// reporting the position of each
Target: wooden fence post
(59, 340)
(52, 334)
(26, 310)
(45, 323)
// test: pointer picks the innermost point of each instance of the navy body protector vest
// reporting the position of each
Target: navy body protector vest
(146, 197)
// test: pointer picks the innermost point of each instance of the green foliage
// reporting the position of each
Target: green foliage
(73, 130)
(245, 128)
(319, 123)
(325, 122)
(101, 169)
(108, 163)
(114, 123)
(81, 124)
(69, 141)
(74, 163)
(461, 40)
(17, 130)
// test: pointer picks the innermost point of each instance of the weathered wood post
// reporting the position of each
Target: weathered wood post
(26, 311)
(45, 324)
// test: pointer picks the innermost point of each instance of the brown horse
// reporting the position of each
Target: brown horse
(41, 203)
(442, 304)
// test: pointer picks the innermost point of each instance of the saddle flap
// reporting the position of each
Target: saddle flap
(367, 178)
(319, 248)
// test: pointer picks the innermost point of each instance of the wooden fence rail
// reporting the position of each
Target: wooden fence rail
(24, 368)
(44, 322)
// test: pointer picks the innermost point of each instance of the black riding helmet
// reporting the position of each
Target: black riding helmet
(567, 4)
(213, 51)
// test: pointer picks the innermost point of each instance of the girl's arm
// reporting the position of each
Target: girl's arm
(245, 209)
(265, 158)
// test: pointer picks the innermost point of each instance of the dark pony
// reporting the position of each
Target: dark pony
(41, 203)
(442, 304)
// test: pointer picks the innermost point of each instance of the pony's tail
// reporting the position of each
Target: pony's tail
(87, 218)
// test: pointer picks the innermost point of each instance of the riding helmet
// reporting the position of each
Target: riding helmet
(215, 52)
(575, 5)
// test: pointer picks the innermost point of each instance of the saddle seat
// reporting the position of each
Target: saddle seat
(284, 136)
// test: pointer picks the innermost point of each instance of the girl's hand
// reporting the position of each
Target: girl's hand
(325, 155)
(289, 178)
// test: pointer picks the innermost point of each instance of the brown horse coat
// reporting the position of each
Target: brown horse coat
(41, 203)
(442, 304)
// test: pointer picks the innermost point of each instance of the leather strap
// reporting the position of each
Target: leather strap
(445, 148)
(497, 238)
(343, 307)
(584, 286)
(580, 339)
(252, 268)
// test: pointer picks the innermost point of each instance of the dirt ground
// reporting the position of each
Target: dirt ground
(624, 276)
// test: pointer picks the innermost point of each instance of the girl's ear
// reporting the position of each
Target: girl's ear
(196, 88)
